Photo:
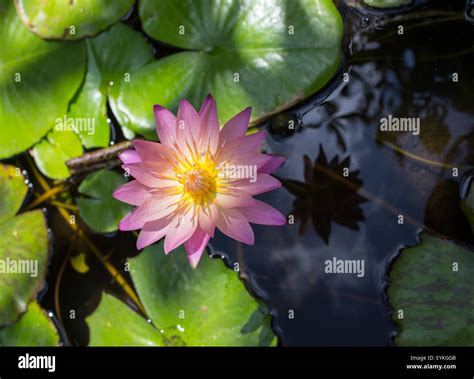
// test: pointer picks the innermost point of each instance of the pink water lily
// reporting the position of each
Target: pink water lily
(198, 178)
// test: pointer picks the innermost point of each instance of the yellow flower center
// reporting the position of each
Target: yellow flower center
(197, 181)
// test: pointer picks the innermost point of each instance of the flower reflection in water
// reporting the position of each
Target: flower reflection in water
(328, 194)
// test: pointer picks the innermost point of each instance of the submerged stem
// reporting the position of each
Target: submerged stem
(75, 228)
(110, 268)
(421, 159)
(59, 278)
(45, 196)
(58, 204)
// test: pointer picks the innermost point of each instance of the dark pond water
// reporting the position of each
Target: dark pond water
(405, 76)
(346, 217)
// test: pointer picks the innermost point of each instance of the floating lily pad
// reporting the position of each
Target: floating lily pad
(23, 247)
(209, 306)
(244, 53)
(34, 328)
(432, 294)
(387, 3)
(52, 152)
(37, 80)
(88, 110)
(63, 19)
(113, 56)
(98, 209)
(106, 326)
(120, 51)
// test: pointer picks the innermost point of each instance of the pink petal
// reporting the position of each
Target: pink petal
(188, 123)
(237, 126)
(165, 125)
(195, 246)
(154, 208)
(129, 156)
(209, 130)
(132, 193)
(273, 163)
(250, 159)
(244, 145)
(263, 183)
(153, 151)
(264, 214)
(180, 230)
(233, 223)
(233, 199)
(152, 231)
(253, 142)
(207, 218)
(151, 174)
(206, 104)
(127, 223)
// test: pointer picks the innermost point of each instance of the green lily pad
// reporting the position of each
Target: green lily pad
(63, 19)
(37, 80)
(120, 51)
(106, 325)
(33, 329)
(23, 247)
(52, 152)
(99, 210)
(209, 306)
(88, 110)
(244, 53)
(432, 294)
(387, 3)
(113, 57)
